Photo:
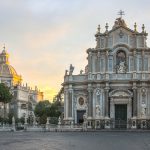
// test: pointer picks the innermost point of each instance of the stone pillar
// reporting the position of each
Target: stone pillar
(65, 98)
(90, 102)
(106, 102)
(135, 60)
(143, 56)
(98, 62)
(70, 98)
(59, 122)
(18, 109)
(13, 124)
(25, 123)
(90, 62)
(106, 61)
(134, 102)
(143, 68)
(47, 123)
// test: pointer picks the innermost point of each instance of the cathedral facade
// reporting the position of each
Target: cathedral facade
(24, 97)
(114, 90)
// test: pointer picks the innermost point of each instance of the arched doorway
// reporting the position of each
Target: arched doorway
(120, 107)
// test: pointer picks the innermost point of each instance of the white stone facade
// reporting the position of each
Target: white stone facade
(117, 77)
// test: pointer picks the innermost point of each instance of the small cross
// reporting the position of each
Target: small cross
(121, 13)
(4, 47)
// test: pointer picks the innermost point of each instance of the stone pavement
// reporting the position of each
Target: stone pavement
(75, 140)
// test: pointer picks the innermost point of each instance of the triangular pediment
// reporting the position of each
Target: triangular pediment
(126, 29)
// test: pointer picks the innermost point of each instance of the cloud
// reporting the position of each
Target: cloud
(44, 37)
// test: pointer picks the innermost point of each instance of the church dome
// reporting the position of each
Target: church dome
(7, 70)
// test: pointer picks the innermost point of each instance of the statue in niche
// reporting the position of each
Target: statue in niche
(98, 97)
(121, 62)
(143, 105)
(98, 111)
(143, 110)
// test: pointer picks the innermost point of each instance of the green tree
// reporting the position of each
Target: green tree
(46, 109)
(5, 96)
(41, 110)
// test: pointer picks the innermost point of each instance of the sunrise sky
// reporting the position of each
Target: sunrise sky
(43, 37)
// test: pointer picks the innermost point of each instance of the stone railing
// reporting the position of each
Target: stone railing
(107, 76)
(78, 78)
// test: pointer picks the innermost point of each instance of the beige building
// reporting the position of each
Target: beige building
(25, 98)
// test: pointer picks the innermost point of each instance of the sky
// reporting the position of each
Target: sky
(43, 37)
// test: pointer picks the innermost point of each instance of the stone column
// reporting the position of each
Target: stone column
(98, 62)
(134, 102)
(106, 102)
(18, 109)
(143, 55)
(13, 124)
(106, 61)
(65, 96)
(70, 97)
(90, 102)
(90, 62)
(135, 60)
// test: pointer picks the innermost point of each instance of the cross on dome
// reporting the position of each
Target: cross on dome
(121, 13)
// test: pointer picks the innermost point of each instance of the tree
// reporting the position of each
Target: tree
(41, 110)
(5, 95)
(46, 109)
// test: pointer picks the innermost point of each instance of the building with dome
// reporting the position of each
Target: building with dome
(24, 97)
(114, 90)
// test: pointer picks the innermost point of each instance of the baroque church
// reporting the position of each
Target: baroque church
(24, 97)
(114, 90)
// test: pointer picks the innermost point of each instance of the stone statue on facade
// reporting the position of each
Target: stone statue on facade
(81, 71)
(119, 22)
(71, 69)
(143, 110)
(84, 117)
(66, 72)
(121, 68)
(98, 111)
(121, 62)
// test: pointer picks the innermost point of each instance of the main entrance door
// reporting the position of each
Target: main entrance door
(120, 116)
(80, 114)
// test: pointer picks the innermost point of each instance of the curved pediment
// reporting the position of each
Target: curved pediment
(121, 45)
(120, 93)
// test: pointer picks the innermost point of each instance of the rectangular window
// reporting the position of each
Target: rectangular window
(102, 43)
(140, 64)
(131, 64)
(110, 65)
(146, 64)
(102, 65)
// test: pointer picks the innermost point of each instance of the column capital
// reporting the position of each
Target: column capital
(106, 88)
(90, 89)
(134, 52)
(134, 88)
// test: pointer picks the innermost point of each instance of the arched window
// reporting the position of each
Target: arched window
(121, 62)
